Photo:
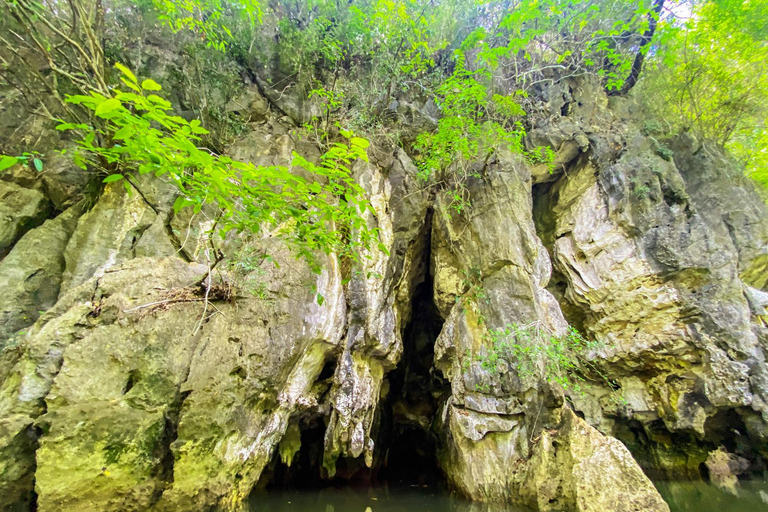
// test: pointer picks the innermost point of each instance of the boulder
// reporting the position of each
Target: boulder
(577, 468)
(21, 209)
(724, 468)
(31, 274)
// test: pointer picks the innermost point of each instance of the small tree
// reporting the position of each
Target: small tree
(125, 132)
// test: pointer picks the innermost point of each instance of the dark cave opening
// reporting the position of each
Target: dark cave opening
(726, 428)
(304, 471)
(416, 389)
(411, 458)
(406, 444)
(305, 468)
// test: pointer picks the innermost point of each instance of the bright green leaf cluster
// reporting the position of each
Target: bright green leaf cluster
(709, 74)
(529, 347)
(322, 212)
(474, 125)
(207, 17)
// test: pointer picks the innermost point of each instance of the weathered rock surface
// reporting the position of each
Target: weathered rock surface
(490, 270)
(21, 209)
(107, 235)
(18, 442)
(577, 468)
(494, 260)
(378, 295)
(131, 391)
(30, 276)
(99, 448)
(657, 258)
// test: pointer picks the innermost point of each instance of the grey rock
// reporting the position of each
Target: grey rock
(724, 468)
(64, 183)
(21, 209)
(662, 262)
(106, 235)
(31, 274)
(577, 468)
(249, 103)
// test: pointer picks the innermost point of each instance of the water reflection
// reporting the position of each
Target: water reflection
(702, 497)
(408, 499)
(681, 497)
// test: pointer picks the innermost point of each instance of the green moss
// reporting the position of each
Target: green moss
(290, 444)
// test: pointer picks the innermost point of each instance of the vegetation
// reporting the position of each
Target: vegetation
(478, 61)
(133, 131)
(147, 139)
(359, 66)
(531, 348)
(481, 66)
(208, 18)
(709, 75)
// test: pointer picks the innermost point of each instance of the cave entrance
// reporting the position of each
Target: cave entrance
(416, 389)
(406, 443)
(304, 470)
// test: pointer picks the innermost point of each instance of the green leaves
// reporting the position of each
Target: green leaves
(321, 211)
(707, 74)
(474, 124)
(124, 133)
(150, 85)
(182, 202)
(7, 162)
(196, 128)
(529, 348)
(186, 16)
(107, 106)
(71, 126)
(128, 74)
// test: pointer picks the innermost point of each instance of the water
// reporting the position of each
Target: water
(702, 497)
(681, 496)
(381, 499)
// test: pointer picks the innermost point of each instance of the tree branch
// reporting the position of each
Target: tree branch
(637, 65)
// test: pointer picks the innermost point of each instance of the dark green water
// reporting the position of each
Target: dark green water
(681, 496)
(382, 499)
(701, 497)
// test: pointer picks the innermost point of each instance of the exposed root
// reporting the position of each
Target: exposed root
(200, 293)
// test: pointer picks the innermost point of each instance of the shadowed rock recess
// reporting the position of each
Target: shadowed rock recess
(120, 390)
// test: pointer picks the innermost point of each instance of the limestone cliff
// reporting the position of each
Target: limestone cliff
(133, 378)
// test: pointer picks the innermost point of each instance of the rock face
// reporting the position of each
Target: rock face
(661, 256)
(21, 209)
(133, 378)
(573, 467)
(497, 442)
(31, 274)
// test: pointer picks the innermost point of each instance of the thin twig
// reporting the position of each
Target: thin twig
(167, 301)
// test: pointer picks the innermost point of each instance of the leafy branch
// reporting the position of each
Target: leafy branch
(321, 212)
